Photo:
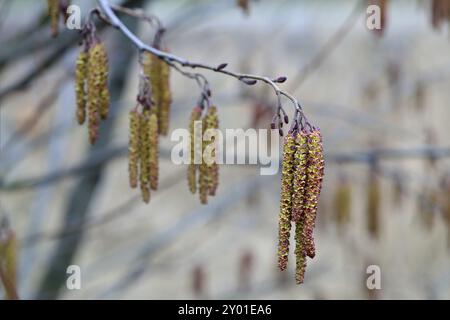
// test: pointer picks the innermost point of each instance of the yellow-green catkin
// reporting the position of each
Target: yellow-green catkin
(194, 148)
(133, 148)
(103, 71)
(154, 151)
(204, 173)
(212, 122)
(373, 206)
(8, 262)
(93, 90)
(284, 222)
(81, 73)
(53, 12)
(342, 203)
(300, 175)
(158, 73)
(166, 99)
(144, 153)
(312, 191)
(300, 252)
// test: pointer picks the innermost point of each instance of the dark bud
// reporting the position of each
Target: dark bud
(280, 79)
(286, 119)
(272, 126)
(250, 82)
(280, 131)
(208, 93)
(222, 66)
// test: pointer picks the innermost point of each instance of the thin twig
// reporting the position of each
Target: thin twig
(168, 58)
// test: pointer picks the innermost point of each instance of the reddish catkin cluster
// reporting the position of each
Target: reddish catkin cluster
(91, 87)
(203, 170)
(301, 183)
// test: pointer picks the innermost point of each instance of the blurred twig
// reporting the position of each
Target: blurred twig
(329, 46)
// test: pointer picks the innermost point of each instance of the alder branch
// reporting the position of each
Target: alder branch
(249, 79)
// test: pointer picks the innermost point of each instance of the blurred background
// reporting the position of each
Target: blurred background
(380, 98)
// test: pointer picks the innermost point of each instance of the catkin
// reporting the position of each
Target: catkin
(158, 73)
(154, 151)
(313, 187)
(93, 89)
(53, 11)
(133, 148)
(166, 99)
(212, 122)
(81, 73)
(204, 174)
(97, 89)
(103, 80)
(300, 253)
(300, 175)
(342, 202)
(192, 169)
(144, 153)
(373, 206)
(284, 222)
(8, 262)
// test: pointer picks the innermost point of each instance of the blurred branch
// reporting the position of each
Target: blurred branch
(327, 49)
(84, 192)
(101, 157)
(111, 215)
(37, 115)
(216, 209)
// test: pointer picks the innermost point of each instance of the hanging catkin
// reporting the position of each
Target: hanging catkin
(300, 175)
(284, 223)
(53, 12)
(373, 205)
(154, 151)
(144, 156)
(342, 202)
(212, 122)
(166, 99)
(158, 72)
(313, 187)
(133, 148)
(204, 173)
(194, 148)
(8, 261)
(81, 72)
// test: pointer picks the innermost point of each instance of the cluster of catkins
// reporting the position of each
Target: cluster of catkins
(143, 151)
(301, 183)
(203, 173)
(57, 8)
(91, 86)
(147, 124)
